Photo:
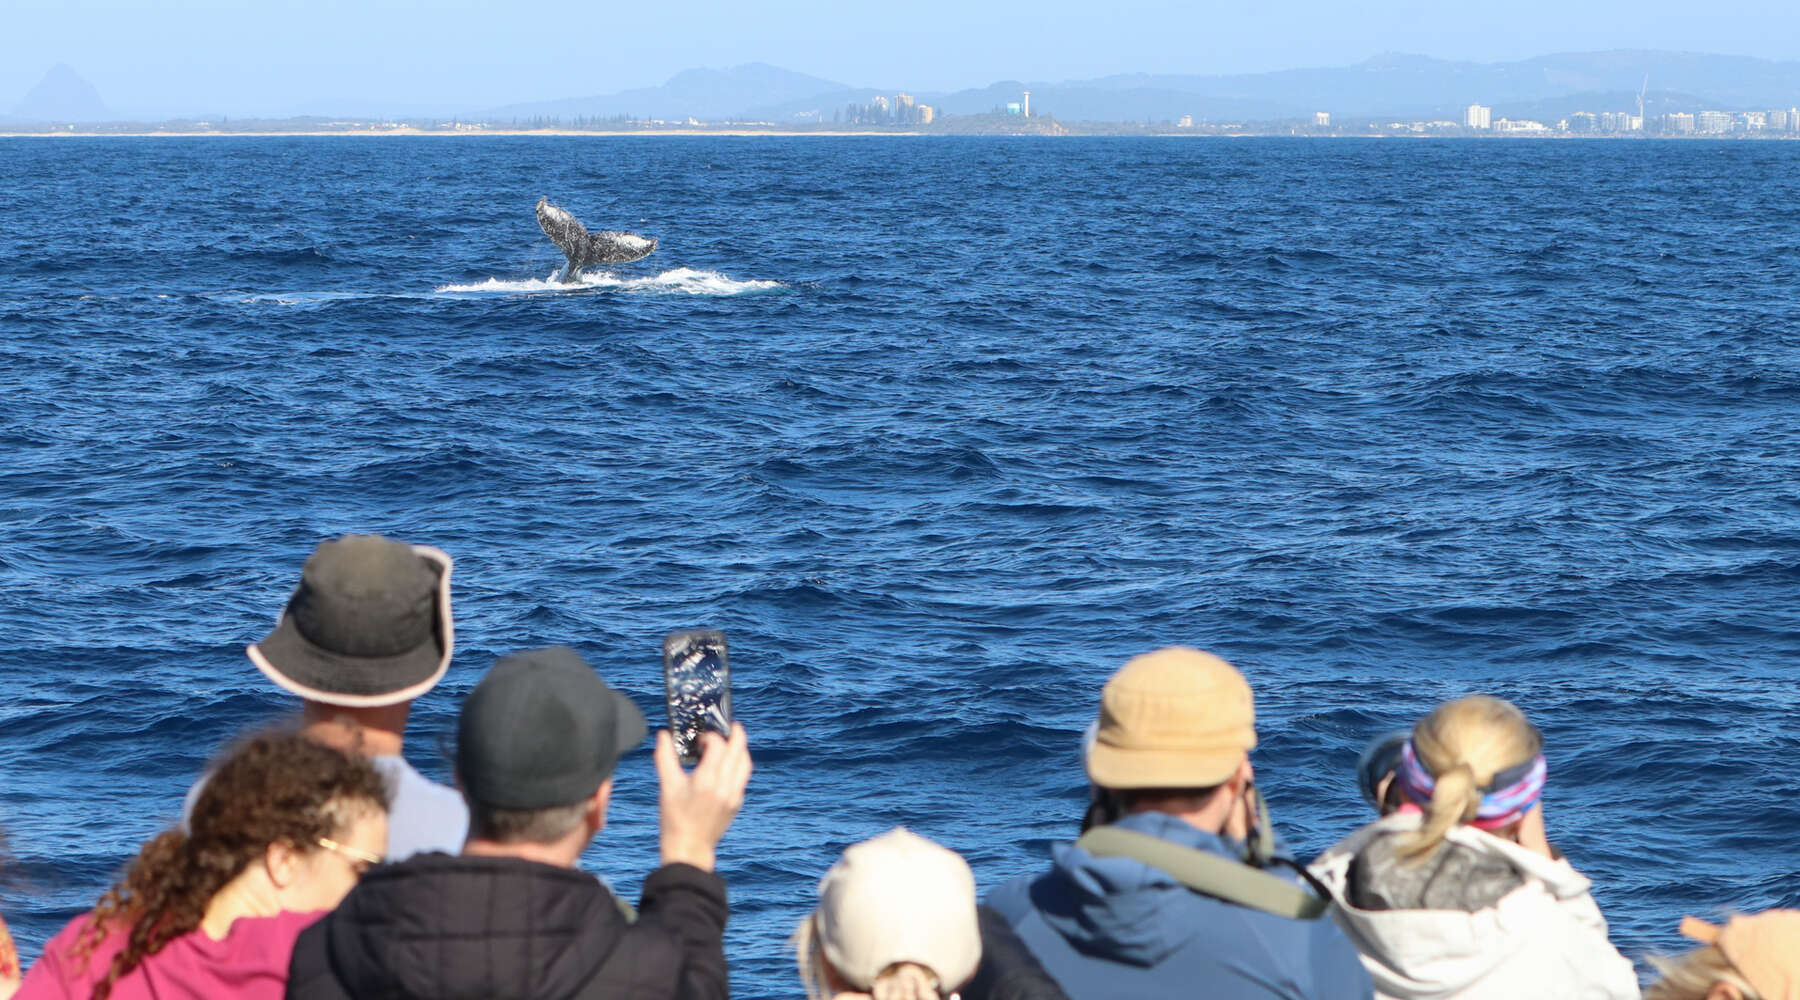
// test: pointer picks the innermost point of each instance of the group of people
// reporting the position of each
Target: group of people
(315, 862)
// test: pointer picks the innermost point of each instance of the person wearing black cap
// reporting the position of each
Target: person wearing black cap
(512, 918)
(368, 630)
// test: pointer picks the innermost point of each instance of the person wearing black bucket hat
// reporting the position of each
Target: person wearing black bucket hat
(513, 917)
(368, 630)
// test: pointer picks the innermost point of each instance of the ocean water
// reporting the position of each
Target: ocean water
(941, 432)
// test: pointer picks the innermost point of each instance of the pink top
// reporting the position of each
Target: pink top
(251, 963)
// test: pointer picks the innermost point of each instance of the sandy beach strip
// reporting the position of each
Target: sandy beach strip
(779, 133)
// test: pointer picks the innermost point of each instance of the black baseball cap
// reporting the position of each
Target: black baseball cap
(542, 730)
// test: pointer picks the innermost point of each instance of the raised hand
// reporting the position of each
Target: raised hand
(698, 807)
(1532, 836)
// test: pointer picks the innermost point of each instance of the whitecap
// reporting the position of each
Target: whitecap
(678, 281)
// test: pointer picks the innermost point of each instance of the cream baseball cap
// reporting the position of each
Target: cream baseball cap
(899, 898)
(1175, 718)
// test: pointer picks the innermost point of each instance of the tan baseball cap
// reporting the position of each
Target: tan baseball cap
(899, 898)
(1764, 947)
(1175, 718)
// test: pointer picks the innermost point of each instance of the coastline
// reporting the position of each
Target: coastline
(378, 133)
(846, 133)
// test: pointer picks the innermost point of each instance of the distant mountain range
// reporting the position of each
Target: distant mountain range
(1387, 86)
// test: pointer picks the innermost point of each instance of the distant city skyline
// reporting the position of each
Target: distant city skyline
(285, 56)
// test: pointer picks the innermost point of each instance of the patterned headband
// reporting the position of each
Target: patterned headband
(1504, 801)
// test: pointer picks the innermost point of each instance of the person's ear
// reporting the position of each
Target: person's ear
(1245, 776)
(282, 862)
(598, 804)
(1724, 991)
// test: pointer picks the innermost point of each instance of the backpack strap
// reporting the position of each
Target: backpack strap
(1205, 872)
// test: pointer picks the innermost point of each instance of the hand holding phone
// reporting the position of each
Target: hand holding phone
(696, 808)
(697, 683)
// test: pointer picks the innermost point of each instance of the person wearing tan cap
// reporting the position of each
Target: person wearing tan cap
(1173, 892)
(1750, 958)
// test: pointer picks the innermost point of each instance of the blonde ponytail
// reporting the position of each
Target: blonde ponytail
(905, 981)
(1453, 802)
(812, 964)
(1463, 744)
(1693, 976)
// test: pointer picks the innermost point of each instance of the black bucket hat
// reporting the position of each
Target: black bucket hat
(369, 624)
(542, 730)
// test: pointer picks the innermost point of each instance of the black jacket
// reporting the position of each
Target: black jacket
(1008, 970)
(440, 927)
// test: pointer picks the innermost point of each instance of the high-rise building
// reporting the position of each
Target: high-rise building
(1185, 121)
(1521, 125)
(1321, 119)
(903, 108)
(1026, 104)
(1777, 120)
(1678, 122)
(1713, 121)
(926, 114)
(1478, 116)
(1584, 122)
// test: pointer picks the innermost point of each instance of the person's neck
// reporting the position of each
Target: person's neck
(1208, 815)
(248, 895)
(372, 732)
(563, 853)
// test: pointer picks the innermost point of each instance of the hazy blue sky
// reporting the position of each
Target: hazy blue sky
(239, 56)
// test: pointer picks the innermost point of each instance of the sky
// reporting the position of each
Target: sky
(207, 57)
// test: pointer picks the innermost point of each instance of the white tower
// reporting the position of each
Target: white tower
(1026, 105)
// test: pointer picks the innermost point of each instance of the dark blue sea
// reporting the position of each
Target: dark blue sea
(941, 431)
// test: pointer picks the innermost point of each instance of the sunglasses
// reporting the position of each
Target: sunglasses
(360, 860)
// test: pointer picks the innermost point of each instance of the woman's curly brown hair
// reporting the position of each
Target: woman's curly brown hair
(271, 788)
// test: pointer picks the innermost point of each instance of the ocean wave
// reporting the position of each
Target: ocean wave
(678, 281)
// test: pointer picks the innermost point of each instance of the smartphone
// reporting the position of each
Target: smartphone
(697, 680)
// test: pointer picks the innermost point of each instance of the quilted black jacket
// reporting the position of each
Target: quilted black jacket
(444, 927)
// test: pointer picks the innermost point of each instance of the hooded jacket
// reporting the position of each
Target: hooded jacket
(1116, 927)
(1544, 937)
(445, 927)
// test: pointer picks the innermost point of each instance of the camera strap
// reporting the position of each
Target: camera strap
(1205, 872)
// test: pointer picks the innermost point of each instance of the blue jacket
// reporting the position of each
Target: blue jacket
(1114, 927)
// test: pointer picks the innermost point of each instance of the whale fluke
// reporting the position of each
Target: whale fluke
(585, 249)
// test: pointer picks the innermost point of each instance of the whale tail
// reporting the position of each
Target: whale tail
(585, 249)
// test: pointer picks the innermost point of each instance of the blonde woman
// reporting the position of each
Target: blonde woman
(896, 921)
(1458, 895)
(1750, 958)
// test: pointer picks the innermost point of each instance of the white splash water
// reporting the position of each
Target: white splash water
(679, 281)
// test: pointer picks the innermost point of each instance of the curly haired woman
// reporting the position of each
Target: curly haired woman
(282, 832)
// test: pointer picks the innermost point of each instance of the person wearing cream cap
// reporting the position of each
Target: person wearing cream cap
(895, 921)
(1750, 958)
